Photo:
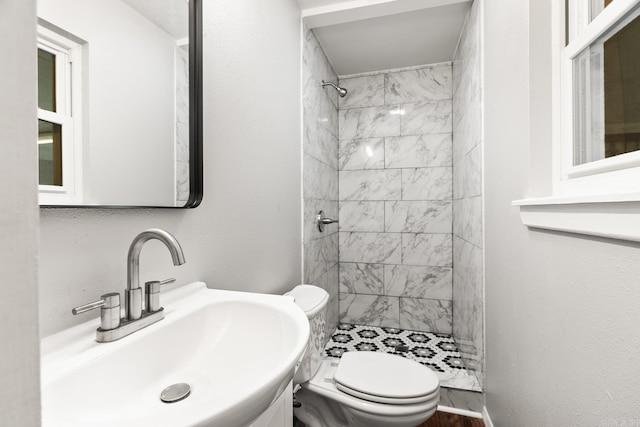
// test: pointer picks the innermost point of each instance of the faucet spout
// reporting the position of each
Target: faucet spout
(133, 294)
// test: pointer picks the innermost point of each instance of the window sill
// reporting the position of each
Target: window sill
(615, 216)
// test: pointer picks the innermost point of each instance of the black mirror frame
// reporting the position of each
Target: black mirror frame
(196, 174)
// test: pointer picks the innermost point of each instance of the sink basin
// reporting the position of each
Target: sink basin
(237, 351)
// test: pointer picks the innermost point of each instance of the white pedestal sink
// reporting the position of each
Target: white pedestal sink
(237, 351)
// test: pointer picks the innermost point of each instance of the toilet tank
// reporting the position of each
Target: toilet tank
(313, 301)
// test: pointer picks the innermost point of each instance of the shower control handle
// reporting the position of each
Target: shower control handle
(321, 220)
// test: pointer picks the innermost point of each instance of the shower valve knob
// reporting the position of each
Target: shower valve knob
(321, 220)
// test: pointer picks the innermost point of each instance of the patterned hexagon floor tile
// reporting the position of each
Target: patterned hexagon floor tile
(436, 351)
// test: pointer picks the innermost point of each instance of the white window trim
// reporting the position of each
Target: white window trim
(600, 198)
(69, 115)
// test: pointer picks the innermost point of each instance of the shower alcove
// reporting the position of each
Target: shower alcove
(398, 161)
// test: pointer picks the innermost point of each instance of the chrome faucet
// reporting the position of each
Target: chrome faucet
(133, 293)
(112, 327)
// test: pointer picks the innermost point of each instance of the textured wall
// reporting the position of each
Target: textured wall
(395, 199)
(468, 274)
(20, 356)
(561, 310)
(320, 176)
(246, 235)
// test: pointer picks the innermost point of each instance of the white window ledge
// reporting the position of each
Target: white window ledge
(611, 216)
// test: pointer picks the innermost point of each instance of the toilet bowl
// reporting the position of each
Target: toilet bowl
(361, 389)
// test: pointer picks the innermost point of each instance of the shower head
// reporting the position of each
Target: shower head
(341, 91)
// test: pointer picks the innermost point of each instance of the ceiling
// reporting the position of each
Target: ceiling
(310, 4)
(370, 35)
(170, 15)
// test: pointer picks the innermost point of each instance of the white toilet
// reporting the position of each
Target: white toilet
(363, 388)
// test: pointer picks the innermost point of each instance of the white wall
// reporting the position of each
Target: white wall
(19, 357)
(246, 235)
(562, 311)
(129, 117)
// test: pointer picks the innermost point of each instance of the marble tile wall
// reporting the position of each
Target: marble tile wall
(182, 124)
(468, 285)
(396, 210)
(320, 173)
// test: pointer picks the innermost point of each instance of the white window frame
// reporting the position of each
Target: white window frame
(619, 174)
(68, 115)
(602, 197)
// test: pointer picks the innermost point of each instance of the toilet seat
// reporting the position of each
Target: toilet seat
(385, 378)
(321, 391)
(386, 400)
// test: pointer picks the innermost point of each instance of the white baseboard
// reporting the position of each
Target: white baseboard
(463, 412)
(486, 418)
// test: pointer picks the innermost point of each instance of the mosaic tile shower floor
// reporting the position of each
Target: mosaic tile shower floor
(437, 351)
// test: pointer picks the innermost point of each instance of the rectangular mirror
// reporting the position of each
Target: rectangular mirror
(120, 103)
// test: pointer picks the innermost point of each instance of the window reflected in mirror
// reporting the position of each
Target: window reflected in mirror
(56, 133)
(49, 153)
(46, 80)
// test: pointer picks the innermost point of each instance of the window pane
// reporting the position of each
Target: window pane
(607, 96)
(622, 91)
(46, 80)
(49, 153)
(597, 6)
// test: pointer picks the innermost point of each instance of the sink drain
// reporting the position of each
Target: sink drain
(175, 393)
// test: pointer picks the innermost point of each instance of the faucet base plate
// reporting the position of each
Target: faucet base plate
(128, 327)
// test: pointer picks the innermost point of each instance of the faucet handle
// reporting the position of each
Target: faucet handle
(152, 293)
(153, 286)
(109, 313)
(109, 300)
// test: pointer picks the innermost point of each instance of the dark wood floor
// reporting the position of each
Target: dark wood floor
(445, 419)
(439, 419)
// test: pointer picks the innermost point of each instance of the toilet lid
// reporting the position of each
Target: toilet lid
(385, 378)
(309, 298)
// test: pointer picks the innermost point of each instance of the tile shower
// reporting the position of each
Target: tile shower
(397, 161)
(468, 274)
(320, 173)
(395, 212)
(182, 123)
